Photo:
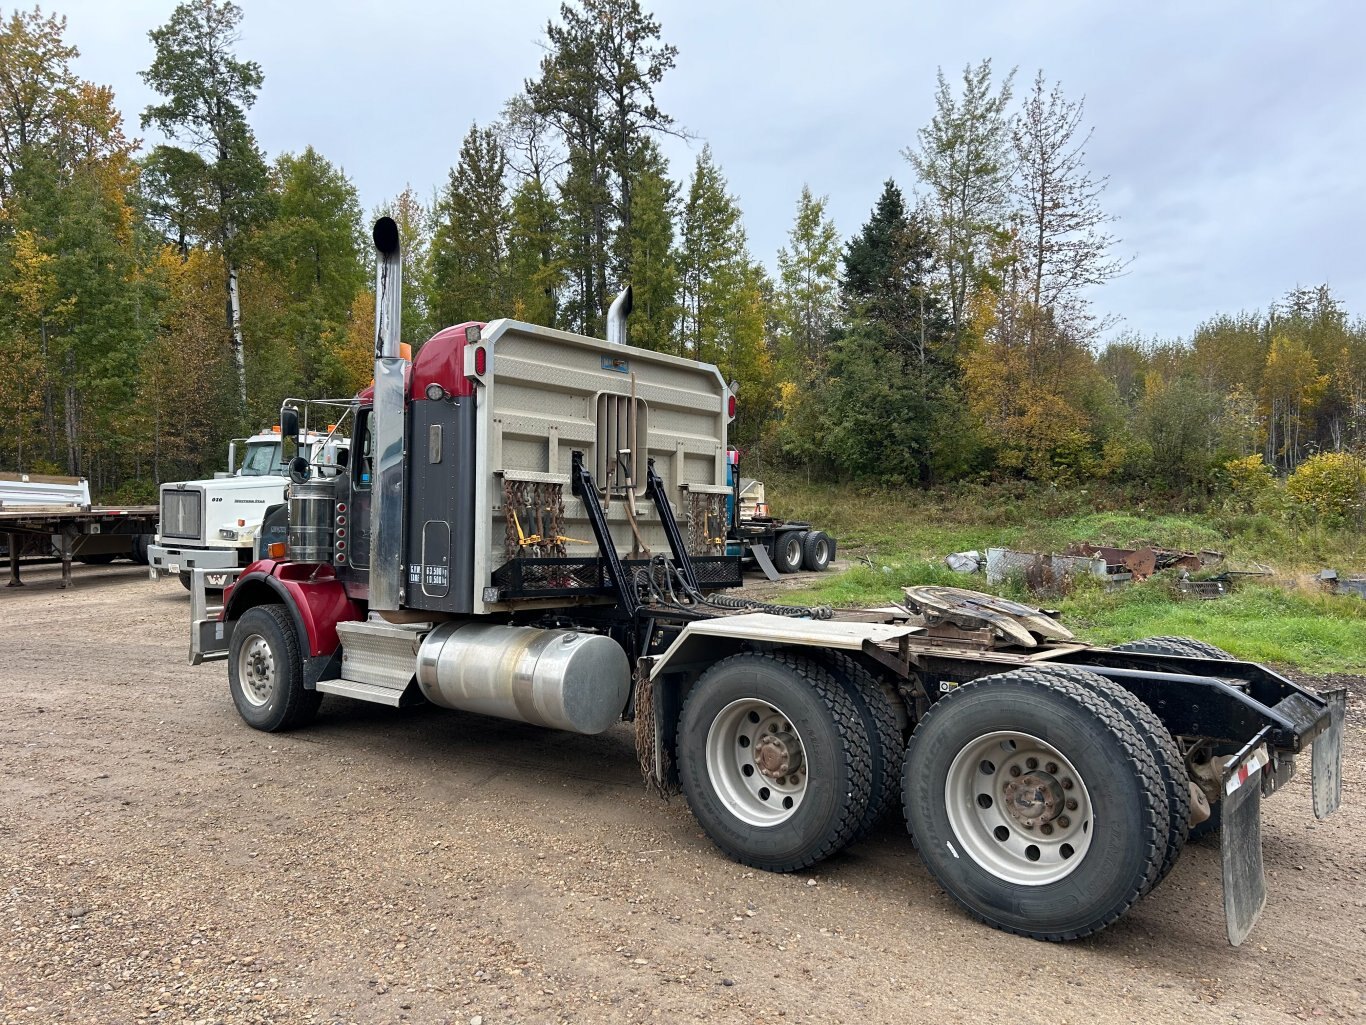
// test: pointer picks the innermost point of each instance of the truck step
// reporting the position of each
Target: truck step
(380, 654)
(362, 691)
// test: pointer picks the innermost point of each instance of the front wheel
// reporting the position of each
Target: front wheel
(266, 673)
(1035, 804)
(774, 759)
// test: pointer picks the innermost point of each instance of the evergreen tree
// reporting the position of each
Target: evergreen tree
(653, 272)
(469, 255)
(207, 92)
(596, 85)
(710, 259)
(807, 269)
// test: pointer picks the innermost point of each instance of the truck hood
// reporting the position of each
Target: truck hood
(233, 485)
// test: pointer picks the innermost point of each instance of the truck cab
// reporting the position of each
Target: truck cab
(216, 524)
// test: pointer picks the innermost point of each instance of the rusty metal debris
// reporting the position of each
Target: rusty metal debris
(1144, 562)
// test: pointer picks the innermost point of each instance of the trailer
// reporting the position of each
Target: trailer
(775, 545)
(523, 532)
(44, 516)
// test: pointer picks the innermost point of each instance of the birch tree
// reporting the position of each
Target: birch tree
(207, 91)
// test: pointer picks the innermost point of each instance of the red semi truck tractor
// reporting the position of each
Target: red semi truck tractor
(524, 530)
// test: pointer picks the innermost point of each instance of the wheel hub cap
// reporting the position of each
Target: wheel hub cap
(756, 762)
(778, 754)
(1019, 808)
(1034, 799)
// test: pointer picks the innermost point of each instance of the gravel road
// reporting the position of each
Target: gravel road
(162, 862)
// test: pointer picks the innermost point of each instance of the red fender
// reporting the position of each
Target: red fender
(313, 594)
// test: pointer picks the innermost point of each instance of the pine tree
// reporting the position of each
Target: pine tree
(807, 269)
(653, 272)
(469, 255)
(596, 86)
(710, 260)
(207, 92)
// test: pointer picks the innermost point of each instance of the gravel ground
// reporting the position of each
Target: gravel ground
(161, 862)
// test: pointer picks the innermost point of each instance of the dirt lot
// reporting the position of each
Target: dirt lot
(159, 861)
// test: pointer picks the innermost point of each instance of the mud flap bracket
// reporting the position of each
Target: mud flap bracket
(1326, 757)
(1240, 841)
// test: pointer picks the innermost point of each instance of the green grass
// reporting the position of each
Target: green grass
(896, 539)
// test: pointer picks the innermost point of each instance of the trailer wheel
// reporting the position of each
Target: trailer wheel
(1189, 647)
(265, 671)
(1035, 804)
(1171, 764)
(787, 551)
(880, 721)
(774, 760)
(816, 551)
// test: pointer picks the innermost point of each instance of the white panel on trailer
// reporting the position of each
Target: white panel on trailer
(540, 401)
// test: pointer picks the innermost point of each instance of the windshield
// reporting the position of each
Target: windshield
(263, 460)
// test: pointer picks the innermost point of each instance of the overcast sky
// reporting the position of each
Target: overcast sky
(1233, 133)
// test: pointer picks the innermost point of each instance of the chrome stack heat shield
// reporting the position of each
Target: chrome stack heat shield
(386, 501)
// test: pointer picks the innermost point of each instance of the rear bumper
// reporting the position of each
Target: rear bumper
(173, 560)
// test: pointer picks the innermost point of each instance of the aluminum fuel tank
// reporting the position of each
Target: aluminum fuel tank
(562, 679)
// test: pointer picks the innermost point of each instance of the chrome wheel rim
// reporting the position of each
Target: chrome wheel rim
(256, 670)
(793, 549)
(757, 762)
(1019, 808)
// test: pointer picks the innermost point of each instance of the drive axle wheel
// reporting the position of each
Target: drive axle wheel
(1020, 807)
(1035, 803)
(774, 760)
(787, 551)
(265, 671)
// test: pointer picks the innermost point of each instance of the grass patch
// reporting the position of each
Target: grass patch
(897, 539)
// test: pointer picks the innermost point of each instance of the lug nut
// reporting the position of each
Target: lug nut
(1071, 804)
(1064, 821)
(1067, 784)
(1047, 829)
(1031, 763)
(1014, 770)
(1052, 766)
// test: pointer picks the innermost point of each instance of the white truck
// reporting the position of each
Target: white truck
(216, 524)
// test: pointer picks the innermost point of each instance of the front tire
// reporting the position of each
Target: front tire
(774, 760)
(1035, 804)
(266, 673)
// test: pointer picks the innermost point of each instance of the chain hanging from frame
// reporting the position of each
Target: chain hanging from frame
(706, 524)
(534, 515)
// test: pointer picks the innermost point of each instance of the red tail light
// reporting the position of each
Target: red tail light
(481, 360)
(730, 407)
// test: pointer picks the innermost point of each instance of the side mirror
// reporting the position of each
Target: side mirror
(289, 422)
(299, 469)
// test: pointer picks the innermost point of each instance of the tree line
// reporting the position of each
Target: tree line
(158, 301)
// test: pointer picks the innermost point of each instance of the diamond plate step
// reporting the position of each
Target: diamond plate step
(379, 654)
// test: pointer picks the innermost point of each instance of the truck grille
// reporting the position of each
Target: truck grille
(180, 514)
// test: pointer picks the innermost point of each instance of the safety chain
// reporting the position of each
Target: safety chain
(534, 515)
(706, 524)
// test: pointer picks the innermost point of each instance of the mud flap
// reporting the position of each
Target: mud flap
(1240, 840)
(1326, 757)
(761, 556)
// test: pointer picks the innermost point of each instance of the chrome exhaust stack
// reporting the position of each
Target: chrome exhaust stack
(386, 493)
(616, 317)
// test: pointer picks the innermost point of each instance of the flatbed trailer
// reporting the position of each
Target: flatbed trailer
(505, 541)
(97, 533)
